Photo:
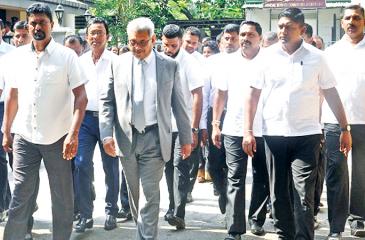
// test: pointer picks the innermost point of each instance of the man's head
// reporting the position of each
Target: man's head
(115, 50)
(268, 39)
(40, 22)
(191, 39)
(250, 35)
(141, 37)
(74, 42)
(308, 34)
(21, 34)
(291, 26)
(319, 43)
(171, 40)
(353, 22)
(229, 41)
(210, 48)
(97, 33)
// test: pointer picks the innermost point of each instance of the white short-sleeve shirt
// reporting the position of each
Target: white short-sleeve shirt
(347, 64)
(291, 84)
(191, 78)
(45, 82)
(236, 81)
(96, 74)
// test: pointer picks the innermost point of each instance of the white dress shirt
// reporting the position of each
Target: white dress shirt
(96, 74)
(5, 49)
(291, 84)
(191, 78)
(236, 81)
(45, 82)
(150, 87)
(347, 64)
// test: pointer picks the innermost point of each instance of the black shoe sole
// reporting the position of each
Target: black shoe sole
(358, 233)
(176, 223)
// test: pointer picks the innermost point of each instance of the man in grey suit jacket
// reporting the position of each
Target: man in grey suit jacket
(143, 79)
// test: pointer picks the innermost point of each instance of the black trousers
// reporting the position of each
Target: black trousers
(293, 159)
(260, 192)
(217, 159)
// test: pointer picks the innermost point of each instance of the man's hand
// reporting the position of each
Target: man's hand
(195, 138)
(204, 140)
(345, 142)
(70, 145)
(7, 142)
(216, 137)
(185, 151)
(109, 147)
(249, 144)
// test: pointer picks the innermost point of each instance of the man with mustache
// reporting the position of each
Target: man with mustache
(346, 59)
(177, 170)
(40, 104)
(290, 82)
(232, 87)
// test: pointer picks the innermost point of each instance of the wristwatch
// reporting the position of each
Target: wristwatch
(195, 130)
(347, 128)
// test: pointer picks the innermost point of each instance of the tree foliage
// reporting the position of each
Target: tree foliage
(120, 12)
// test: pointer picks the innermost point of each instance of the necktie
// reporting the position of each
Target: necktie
(138, 108)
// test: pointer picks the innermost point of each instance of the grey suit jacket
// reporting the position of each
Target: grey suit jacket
(115, 105)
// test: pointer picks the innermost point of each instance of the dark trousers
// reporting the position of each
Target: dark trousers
(84, 169)
(123, 194)
(293, 159)
(321, 173)
(260, 192)
(5, 194)
(194, 161)
(177, 173)
(337, 178)
(237, 168)
(27, 160)
(217, 159)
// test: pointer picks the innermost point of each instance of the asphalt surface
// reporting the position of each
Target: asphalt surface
(203, 219)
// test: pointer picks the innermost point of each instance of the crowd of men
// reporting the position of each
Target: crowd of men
(274, 97)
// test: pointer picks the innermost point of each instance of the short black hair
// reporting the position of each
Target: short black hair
(295, 14)
(229, 28)
(172, 31)
(308, 30)
(212, 45)
(193, 31)
(73, 39)
(39, 8)
(21, 25)
(255, 24)
(97, 20)
(355, 7)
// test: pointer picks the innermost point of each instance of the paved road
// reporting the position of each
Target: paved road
(203, 219)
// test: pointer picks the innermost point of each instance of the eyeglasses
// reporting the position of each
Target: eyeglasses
(141, 43)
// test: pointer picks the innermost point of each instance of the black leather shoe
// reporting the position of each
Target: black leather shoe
(179, 223)
(76, 217)
(257, 230)
(83, 224)
(110, 222)
(169, 214)
(222, 202)
(334, 236)
(233, 237)
(357, 229)
(125, 213)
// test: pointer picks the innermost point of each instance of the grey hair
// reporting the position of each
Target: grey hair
(141, 24)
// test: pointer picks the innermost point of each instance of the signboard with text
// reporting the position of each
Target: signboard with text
(294, 3)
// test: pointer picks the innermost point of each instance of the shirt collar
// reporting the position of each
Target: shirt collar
(49, 48)
(359, 44)
(148, 59)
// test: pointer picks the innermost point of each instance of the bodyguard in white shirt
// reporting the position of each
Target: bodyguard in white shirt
(291, 81)
(97, 67)
(48, 124)
(345, 59)
(177, 170)
(242, 66)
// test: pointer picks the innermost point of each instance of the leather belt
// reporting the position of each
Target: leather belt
(146, 129)
(92, 113)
